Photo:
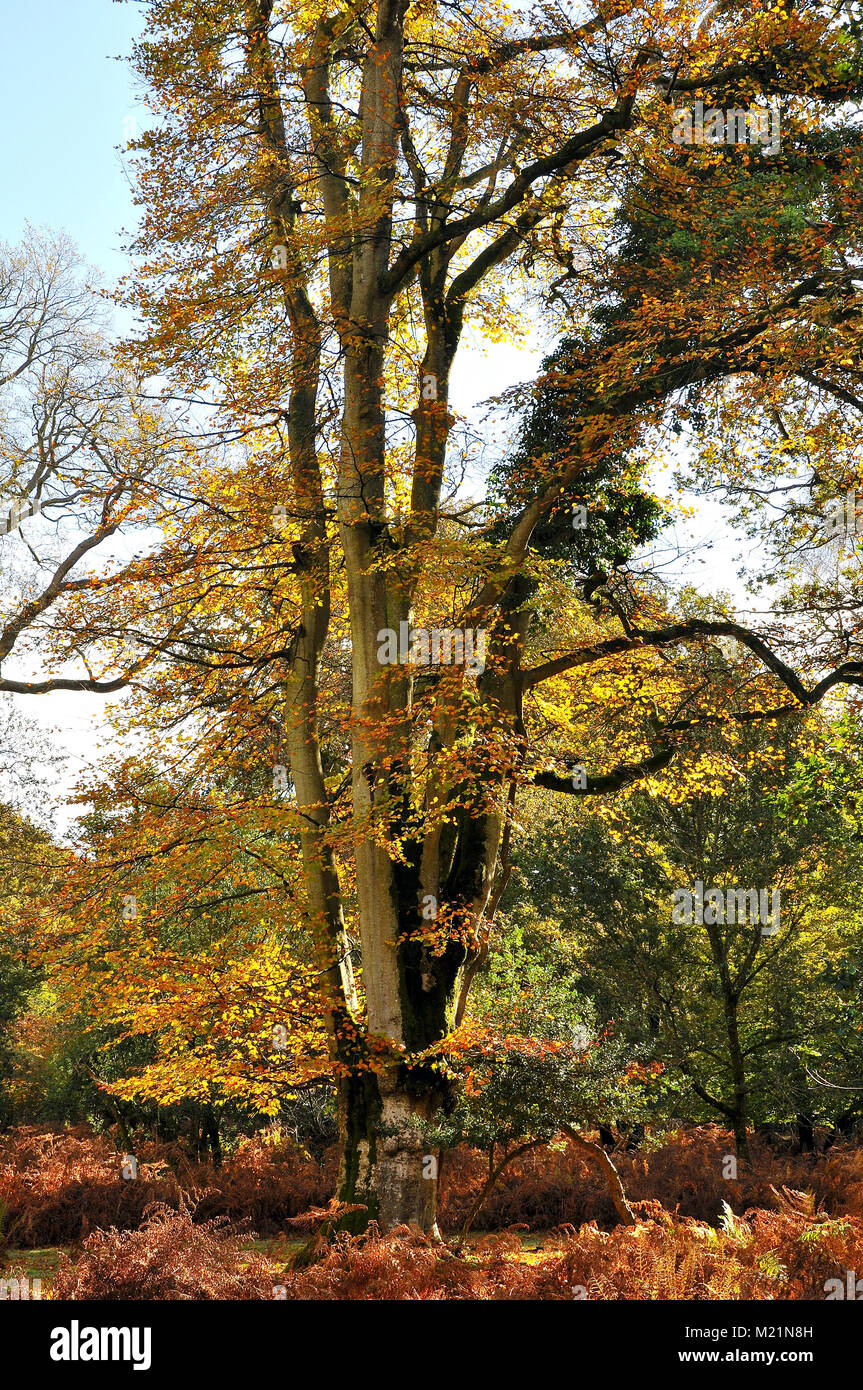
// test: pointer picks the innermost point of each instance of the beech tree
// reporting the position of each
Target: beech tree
(331, 196)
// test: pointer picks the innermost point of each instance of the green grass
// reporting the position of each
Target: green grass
(41, 1263)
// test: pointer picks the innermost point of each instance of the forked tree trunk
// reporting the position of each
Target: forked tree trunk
(412, 996)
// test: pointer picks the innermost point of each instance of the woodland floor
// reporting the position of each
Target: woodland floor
(183, 1230)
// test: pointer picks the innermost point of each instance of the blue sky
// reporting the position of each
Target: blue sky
(63, 102)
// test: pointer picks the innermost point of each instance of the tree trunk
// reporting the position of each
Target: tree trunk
(741, 1138)
(607, 1138)
(741, 1090)
(805, 1133)
(494, 1174)
(738, 1111)
(210, 1136)
(609, 1172)
(384, 1163)
(412, 994)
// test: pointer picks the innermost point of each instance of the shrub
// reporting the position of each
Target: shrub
(553, 1187)
(170, 1257)
(58, 1186)
(400, 1265)
(768, 1255)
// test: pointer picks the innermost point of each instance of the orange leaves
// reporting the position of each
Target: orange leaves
(641, 1073)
